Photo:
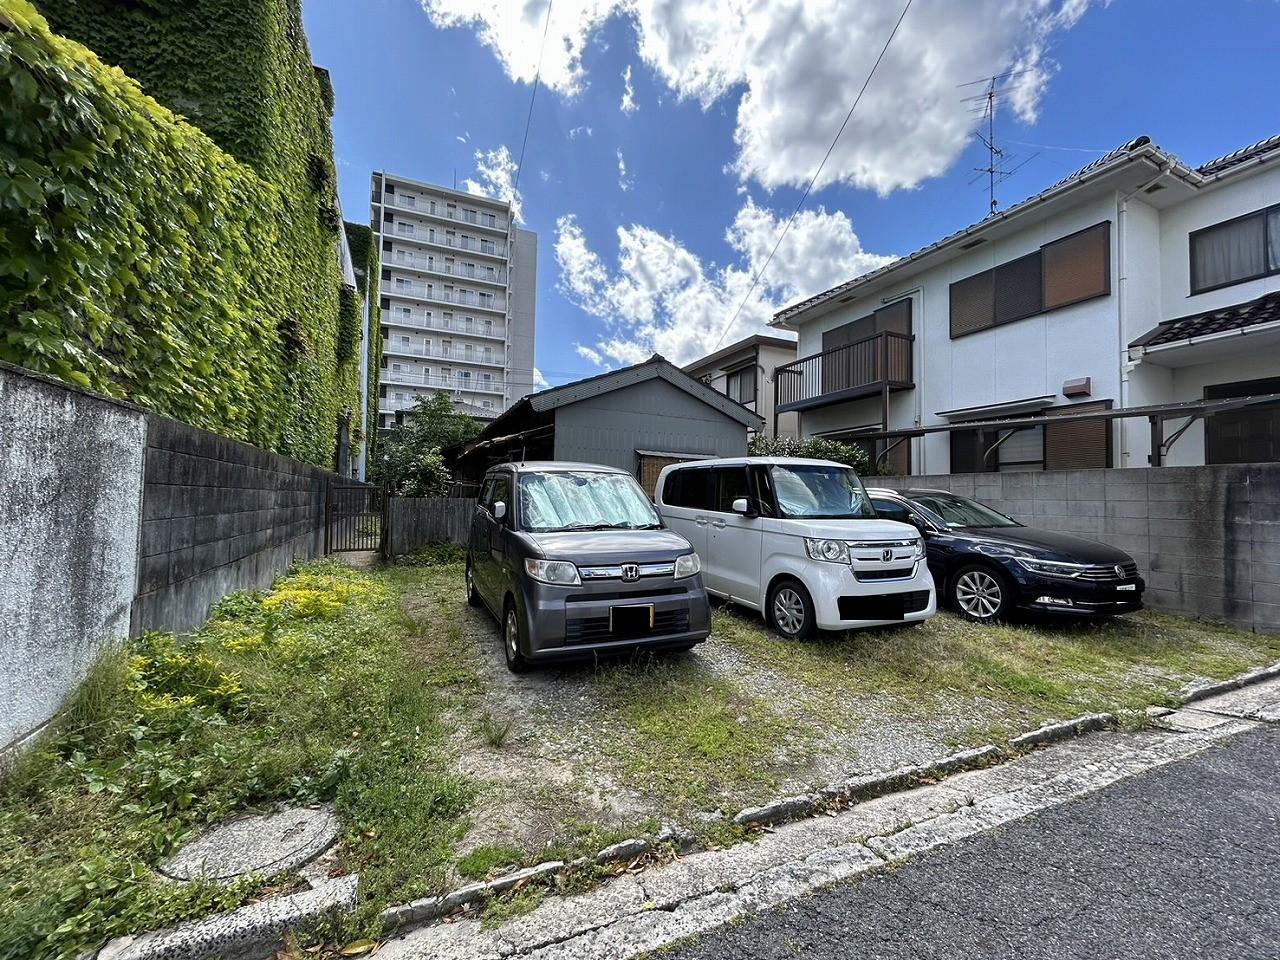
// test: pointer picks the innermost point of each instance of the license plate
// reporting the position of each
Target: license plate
(887, 607)
(1127, 586)
(631, 619)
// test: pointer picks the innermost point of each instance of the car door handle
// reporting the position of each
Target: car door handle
(700, 521)
(718, 524)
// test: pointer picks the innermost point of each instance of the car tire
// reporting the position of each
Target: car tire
(513, 639)
(789, 610)
(980, 593)
(473, 595)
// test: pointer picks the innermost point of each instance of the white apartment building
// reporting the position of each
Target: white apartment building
(1135, 284)
(457, 294)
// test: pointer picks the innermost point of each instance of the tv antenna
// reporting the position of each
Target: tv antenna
(1001, 164)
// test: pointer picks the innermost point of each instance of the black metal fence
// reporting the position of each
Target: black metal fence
(355, 518)
(843, 373)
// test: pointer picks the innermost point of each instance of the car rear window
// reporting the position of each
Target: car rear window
(687, 488)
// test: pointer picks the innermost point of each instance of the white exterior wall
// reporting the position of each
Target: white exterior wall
(459, 295)
(766, 358)
(1150, 283)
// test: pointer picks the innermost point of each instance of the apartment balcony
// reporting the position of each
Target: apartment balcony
(453, 355)
(863, 368)
(486, 248)
(400, 258)
(421, 291)
(441, 211)
(416, 322)
(462, 384)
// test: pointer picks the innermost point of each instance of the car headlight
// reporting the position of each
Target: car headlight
(687, 565)
(919, 551)
(1052, 568)
(559, 572)
(833, 551)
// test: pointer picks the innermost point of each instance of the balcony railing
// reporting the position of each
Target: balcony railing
(465, 384)
(460, 297)
(403, 259)
(493, 332)
(859, 369)
(402, 202)
(462, 356)
(487, 247)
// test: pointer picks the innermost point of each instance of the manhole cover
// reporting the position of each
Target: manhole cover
(264, 844)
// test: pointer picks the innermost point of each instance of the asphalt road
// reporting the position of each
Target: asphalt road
(1180, 862)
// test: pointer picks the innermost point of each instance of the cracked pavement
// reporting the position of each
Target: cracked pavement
(1159, 842)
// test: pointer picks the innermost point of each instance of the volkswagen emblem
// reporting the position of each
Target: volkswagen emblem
(886, 554)
(1119, 571)
(630, 572)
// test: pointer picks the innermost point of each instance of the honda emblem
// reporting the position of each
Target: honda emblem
(886, 554)
(630, 571)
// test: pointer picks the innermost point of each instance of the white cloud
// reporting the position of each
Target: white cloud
(495, 177)
(798, 66)
(629, 104)
(625, 183)
(464, 138)
(588, 354)
(582, 131)
(662, 298)
(539, 381)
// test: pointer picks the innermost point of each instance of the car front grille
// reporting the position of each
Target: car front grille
(596, 629)
(1105, 572)
(899, 573)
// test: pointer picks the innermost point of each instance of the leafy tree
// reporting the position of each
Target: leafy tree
(816, 448)
(411, 461)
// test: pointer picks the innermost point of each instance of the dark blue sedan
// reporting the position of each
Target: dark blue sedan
(986, 565)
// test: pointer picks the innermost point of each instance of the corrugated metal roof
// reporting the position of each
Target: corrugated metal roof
(656, 367)
(1132, 150)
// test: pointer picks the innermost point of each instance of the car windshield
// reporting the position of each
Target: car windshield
(583, 500)
(960, 512)
(820, 492)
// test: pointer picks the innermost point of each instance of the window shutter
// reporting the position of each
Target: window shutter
(1081, 445)
(973, 303)
(1017, 289)
(1077, 267)
(895, 318)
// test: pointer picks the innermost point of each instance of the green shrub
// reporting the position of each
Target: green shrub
(816, 448)
(139, 259)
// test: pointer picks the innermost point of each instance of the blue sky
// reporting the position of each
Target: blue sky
(731, 115)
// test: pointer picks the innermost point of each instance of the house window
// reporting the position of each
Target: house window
(1071, 270)
(1242, 249)
(1075, 445)
(740, 385)
(1250, 435)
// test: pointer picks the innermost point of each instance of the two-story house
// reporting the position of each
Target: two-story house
(744, 371)
(1118, 318)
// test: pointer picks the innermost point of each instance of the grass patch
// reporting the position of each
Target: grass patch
(298, 695)
(696, 740)
(1029, 672)
(499, 910)
(493, 731)
(484, 862)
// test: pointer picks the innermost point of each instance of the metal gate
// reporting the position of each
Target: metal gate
(355, 518)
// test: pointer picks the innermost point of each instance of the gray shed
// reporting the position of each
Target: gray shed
(639, 418)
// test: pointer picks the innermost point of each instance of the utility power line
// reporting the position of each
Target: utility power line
(528, 120)
(805, 196)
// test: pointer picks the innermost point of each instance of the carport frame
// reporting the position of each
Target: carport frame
(1157, 414)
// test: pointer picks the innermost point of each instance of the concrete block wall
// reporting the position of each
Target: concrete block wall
(114, 521)
(217, 516)
(1207, 539)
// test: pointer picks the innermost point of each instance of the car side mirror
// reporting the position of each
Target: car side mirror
(741, 505)
(500, 511)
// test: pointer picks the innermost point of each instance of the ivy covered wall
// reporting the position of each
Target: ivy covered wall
(189, 267)
(364, 257)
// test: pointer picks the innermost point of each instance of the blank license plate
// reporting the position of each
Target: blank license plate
(888, 607)
(1127, 586)
(631, 620)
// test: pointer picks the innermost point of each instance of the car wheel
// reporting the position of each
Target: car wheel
(473, 597)
(790, 610)
(979, 593)
(511, 640)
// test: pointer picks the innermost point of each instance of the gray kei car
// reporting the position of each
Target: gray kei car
(573, 561)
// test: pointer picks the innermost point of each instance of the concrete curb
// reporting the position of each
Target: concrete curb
(1053, 732)
(245, 934)
(1201, 691)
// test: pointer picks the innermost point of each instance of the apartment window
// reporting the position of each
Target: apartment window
(1242, 249)
(486, 379)
(488, 327)
(1076, 445)
(464, 377)
(404, 312)
(409, 200)
(1070, 270)
(405, 341)
(487, 404)
(407, 229)
(740, 385)
(395, 367)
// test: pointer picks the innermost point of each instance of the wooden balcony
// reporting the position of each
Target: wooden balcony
(864, 368)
